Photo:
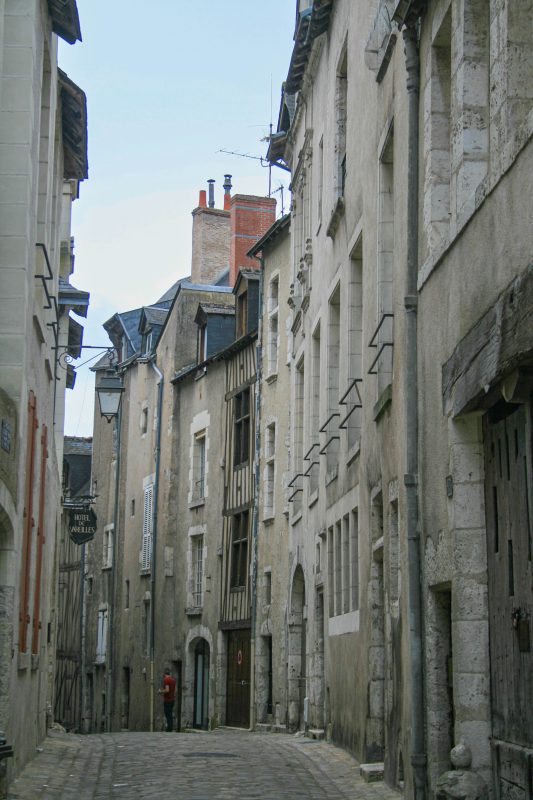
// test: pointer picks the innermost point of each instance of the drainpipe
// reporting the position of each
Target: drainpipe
(81, 719)
(255, 518)
(160, 383)
(112, 578)
(418, 754)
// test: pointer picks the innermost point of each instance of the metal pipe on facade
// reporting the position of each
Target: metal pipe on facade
(255, 517)
(160, 384)
(81, 723)
(211, 194)
(112, 576)
(418, 749)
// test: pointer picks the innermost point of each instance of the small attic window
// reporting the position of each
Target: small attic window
(242, 314)
(202, 342)
(147, 343)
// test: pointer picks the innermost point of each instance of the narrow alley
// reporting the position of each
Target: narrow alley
(225, 763)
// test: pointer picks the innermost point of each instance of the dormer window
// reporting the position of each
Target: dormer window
(242, 314)
(202, 342)
(147, 343)
(246, 291)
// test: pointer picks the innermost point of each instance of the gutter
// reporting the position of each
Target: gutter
(160, 384)
(415, 612)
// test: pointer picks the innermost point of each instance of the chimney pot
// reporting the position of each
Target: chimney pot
(211, 184)
(202, 202)
(227, 192)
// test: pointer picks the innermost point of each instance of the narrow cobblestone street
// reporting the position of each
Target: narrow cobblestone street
(201, 766)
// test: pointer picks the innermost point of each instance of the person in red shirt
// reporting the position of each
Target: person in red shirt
(169, 696)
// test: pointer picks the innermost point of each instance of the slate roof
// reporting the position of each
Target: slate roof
(76, 299)
(65, 19)
(154, 315)
(129, 322)
(170, 294)
(217, 308)
(78, 445)
(74, 128)
(312, 23)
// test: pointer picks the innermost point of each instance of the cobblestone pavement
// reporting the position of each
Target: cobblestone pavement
(220, 765)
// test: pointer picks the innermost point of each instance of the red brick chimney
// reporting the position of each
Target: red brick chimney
(250, 217)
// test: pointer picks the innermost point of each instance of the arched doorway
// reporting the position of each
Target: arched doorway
(201, 685)
(296, 662)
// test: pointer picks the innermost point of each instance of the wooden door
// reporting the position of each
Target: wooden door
(67, 706)
(201, 685)
(508, 487)
(239, 672)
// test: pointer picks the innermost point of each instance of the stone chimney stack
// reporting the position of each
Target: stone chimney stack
(251, 217)
(210, 239)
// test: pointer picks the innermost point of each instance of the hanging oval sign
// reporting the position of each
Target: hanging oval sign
(82, 525)
(239, 657)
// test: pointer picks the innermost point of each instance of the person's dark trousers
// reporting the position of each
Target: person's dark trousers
(169, 708)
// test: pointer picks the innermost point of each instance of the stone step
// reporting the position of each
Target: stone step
(263, 727)
(316, 733)
(371, 772)
(279, 729)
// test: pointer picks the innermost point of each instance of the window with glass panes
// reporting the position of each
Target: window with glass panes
(239, 550)
(242, 428)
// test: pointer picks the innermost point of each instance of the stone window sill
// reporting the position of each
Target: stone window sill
(313, 497)
(353, 452)
(194, 611)
(197, 503)
(336, 216)
(296, 518)
(332, 476)
(383, 402)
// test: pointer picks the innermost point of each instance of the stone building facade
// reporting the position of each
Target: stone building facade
(363, 569)
(272, 491)
(155, 569)
(407, 130)
(43, 157)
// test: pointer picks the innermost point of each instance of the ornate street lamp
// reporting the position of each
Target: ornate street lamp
(109, 391)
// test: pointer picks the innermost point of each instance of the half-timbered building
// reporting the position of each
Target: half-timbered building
(237, 586)
(69, 672)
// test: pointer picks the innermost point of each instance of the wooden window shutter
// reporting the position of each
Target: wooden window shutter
(146, 553)
(24, 615)
(40, 544)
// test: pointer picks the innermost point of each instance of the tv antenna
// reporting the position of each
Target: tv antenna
(262, 161)
(281, 188)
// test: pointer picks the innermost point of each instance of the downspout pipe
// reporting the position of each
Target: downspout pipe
(160, 384)
(417, 706)
(255, 518)
(112, 581)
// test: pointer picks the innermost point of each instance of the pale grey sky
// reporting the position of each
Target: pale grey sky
(168, 85)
